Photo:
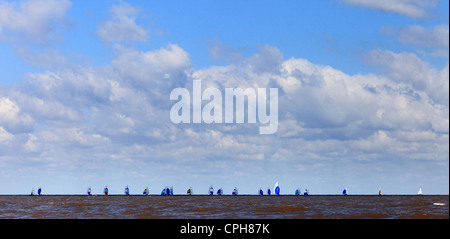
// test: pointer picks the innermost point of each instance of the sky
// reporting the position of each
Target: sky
(363, 95)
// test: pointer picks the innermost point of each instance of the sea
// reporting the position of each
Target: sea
(224, 207)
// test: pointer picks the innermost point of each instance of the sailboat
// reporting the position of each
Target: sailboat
(89, 191)
(297, 192)
(220, 191)
(32, 192)
(105, 191)
(419, 192)
(127, 191)
(268, 191)
(261, 192)
(211, 190)
(39, 191)
(235, 192)
(277, 189)
(344, 192)
(167, 191)
(189, 191)
(146, 191)
(306, 193)
(379, 192)
(171, 190)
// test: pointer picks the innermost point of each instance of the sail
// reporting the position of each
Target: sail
(235, 191)
(167, 191)
(39, 191)
(268, 191)
(89, 191)
(344, 192)
(127, 191)
(211, 190)
(420, 191)
(306, 193)
(297, 192)
(261, 192)
(105, 190)
(277, 189)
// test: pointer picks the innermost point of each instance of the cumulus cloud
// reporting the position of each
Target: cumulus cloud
(32, 20)
(12, 118)
(408, 68)
(410, 8)
(122, 26)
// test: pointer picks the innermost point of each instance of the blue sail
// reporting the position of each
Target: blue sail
(344, 192)
(277, 190)
(297, 192)
(167, 191)
(268, 191)
(39, 191)
(261, 192)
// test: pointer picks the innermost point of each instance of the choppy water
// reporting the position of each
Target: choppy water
(223, 207)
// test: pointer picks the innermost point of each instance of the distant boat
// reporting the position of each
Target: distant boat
(105, 191)
(277, 189)
(297, 192)
(163, 192)
(235, 192)
(32, 192)
(146, 191)
(306, 193)
(127, 191)
(344, 192)
(261, 192)
(379, 192)
(189, 191)
(39, 191)
(211, 190)
(268, 191)
(167, 191)
(171, 190)
(89, 191)
(420, 192)
(220, 191)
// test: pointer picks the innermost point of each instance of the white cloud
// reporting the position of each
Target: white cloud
(410, 8)
(4, 135)
(409, 69)
(430, 41)
(11, 117)
(32, 20)
(417, 35)
(122, 26)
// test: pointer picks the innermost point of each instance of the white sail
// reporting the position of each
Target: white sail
(420, 191)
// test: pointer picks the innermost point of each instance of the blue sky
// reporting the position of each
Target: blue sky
(363, 102)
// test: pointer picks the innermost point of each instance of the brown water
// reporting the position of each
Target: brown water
(220, 207)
